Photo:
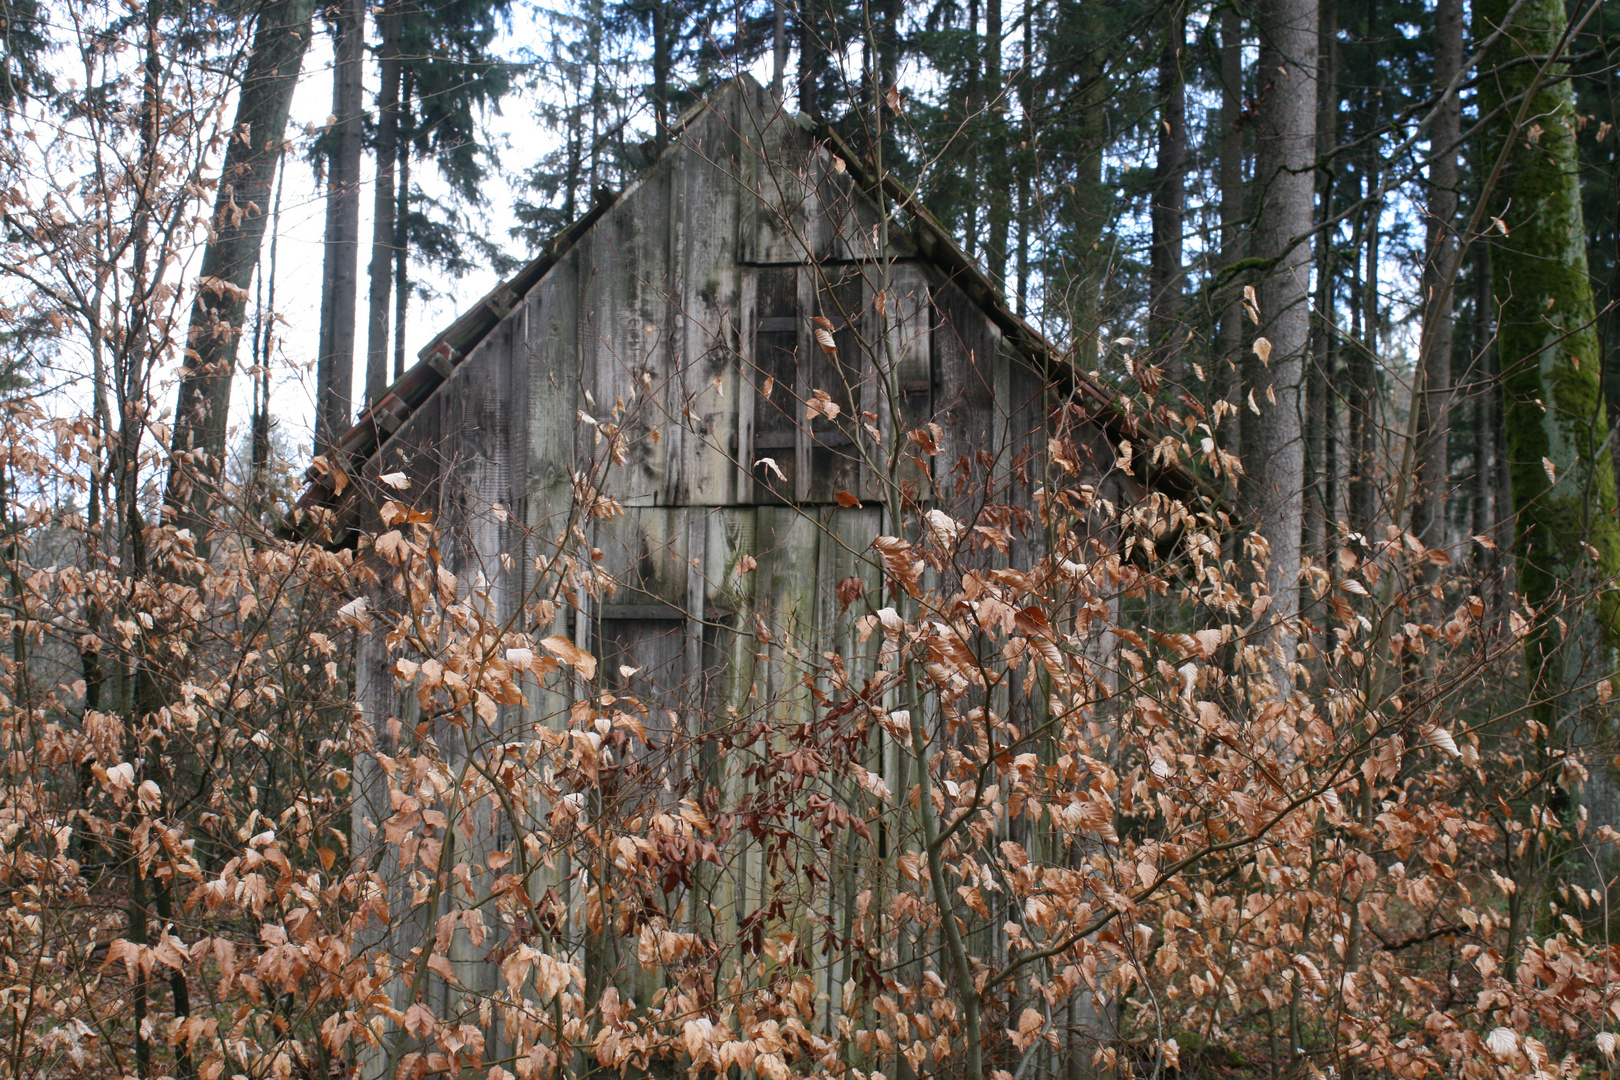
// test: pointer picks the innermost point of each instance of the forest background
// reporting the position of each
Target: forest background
(1338, 796)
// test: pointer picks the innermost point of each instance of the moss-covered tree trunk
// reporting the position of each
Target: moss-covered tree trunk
(1567, 542)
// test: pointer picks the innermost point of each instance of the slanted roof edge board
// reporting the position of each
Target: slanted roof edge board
(935, 241)
(495, 305)
(363, 439)
(438, 359)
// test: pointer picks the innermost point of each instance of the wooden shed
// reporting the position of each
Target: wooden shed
(725, 348)
(721, 318)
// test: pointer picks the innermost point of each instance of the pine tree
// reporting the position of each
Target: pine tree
(439, 77)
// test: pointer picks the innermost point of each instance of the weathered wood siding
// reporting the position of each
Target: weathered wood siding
(683, 319)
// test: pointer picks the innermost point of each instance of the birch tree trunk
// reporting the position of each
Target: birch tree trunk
(1285, 147)
(241, 209)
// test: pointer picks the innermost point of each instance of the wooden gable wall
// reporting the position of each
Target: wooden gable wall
(686, 311)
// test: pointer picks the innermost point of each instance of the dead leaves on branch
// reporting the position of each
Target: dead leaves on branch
(1124, 806)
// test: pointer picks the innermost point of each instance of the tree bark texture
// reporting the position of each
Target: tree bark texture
(661, 64)
(815, 60)
(1439, 273)
(1567, 541)
(1169, 210)
(384, 227)
(1026, 159)
(1285, 147)
(1321, 436)
(334, 372)
(779, 49)
(1089, 203)
(998, 188)
(1361, 365)
(402, 230)
(1229, 334)
(241, 210)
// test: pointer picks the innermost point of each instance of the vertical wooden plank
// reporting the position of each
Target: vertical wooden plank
(964, 349)
(731, 533)
(834, 454)
(697, 535)
(805, 286)
(552, 378)
(785, 601)
(844, 551)
(913, 345)
(776, 201)
(908, 388)
(749, 380)
(779, 314)
(706, 289)
(625, 345)
(665, 310)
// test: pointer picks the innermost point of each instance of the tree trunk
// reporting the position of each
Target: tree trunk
(1285, 146)
(1089, 202)
(1166, 275)
(402, 231)
(779, 50)
(1361, 370)
(890, 13)
(999, 180)
(263, 347)
(1320, 417)
(1567, 541)
(1439, 269)
(1025, 161)
(974, 126)
(240, 213)
(1485, 394)
(1229, 335)
(334, 372)
(384, 227)
(814, 60)
(660, 65)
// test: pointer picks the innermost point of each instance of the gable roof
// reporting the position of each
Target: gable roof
(437, 360)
